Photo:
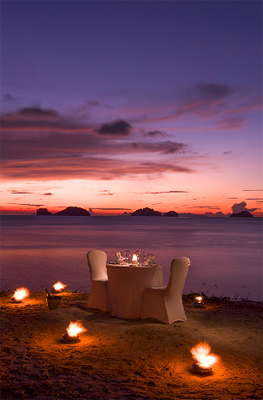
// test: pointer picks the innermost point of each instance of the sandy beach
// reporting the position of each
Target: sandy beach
(128, 359)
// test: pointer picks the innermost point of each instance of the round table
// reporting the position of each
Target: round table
(126, 285)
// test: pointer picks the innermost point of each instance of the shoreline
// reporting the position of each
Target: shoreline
(133, 359)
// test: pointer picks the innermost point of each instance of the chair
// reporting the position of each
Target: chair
(165, 303)
(98, 295)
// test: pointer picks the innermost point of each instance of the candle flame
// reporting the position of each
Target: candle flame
(58, 286)
(21, 293)
(75, 328)
(201, 353)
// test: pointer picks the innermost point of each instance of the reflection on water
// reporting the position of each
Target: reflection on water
(225, 254)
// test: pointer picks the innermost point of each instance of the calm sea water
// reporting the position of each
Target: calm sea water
(225, 253)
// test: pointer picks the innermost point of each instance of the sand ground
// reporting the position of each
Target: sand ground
(128, 359)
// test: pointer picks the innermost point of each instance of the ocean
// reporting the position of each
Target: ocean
(225, 253)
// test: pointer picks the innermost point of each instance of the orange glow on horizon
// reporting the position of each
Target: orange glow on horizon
(108, 212)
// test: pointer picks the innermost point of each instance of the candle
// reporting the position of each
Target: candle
(134, 259)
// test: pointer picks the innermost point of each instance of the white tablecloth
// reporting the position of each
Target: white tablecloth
(126, 286)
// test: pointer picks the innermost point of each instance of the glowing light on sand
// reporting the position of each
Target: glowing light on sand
(21, 293)
(74, 329)
(202, 355)
(59, 286)
(198, 301)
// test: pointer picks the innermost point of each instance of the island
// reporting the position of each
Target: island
(68, 212)
(243, 214)
(43, 211)
(146, 212)
(170, 214)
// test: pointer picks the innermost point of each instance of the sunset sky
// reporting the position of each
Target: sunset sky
(118, 105)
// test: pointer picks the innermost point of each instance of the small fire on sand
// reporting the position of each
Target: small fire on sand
(59, 286)
(204, 359)
(73, 331)
(20, 294)
(198, 301)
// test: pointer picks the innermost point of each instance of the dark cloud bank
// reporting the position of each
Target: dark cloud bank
(38, 143)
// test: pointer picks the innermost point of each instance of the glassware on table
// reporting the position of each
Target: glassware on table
(138, 254)
(127, 255)
(150, 259)
(144, 256)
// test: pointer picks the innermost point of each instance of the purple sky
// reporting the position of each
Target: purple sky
(128, 104)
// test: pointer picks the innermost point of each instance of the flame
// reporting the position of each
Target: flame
(201, 353)
(75, 328)
(199, 298)
(134, 258)
(59, 286)
(21, 293)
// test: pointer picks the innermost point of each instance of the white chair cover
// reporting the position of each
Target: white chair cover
(165, 304)
(98, 295)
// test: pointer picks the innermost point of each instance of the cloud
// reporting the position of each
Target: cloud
(213, 92)
(164, 147)
(8, 97)
(41, 120)
(167, 192)
(47, 194)
(207, 207)
(155, 133)
(31, 205)
(205, 98)
(224, 106)
(174, 147)
(111, 209)
(254, 199)
(231, 122)
(105, 193)
(104, 168)
(252, 190)
(93, 103)
(227, 152)
(239, 207)
(117, 128)
(40, 143)
(20, 192)
(37, 113)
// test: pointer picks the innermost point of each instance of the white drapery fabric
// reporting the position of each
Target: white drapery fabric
(99, 294)
(165, 304)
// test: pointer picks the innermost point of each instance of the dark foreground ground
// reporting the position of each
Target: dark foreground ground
(128, 359)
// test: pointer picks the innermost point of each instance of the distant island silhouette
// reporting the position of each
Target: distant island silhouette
(242, 214)
(146, 212)
(43, 211)
(141, 212)
(150, 212)
(170, 214)
(68, 212)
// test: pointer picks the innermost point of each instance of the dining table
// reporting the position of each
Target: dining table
(126, 284)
